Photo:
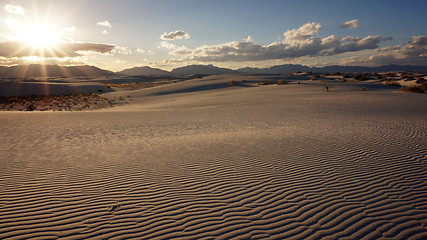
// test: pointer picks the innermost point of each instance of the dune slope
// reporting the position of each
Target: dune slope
(217, 162)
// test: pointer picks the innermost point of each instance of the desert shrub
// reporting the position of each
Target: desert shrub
(360, 76)
(30, 107)
(346, 75)
(420, 81)
(363, 89)
(265, 82)
(298, 71)
(326, 88)
(232, 83)
(13, 99)
(314, 77)
(404, 76)
(415, 89)
(336, 73)
(282, 82)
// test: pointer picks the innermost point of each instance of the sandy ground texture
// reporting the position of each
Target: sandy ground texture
(203, 159)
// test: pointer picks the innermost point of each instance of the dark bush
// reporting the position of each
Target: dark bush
(414, 89)
(282, 82)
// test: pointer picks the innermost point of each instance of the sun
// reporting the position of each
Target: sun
(39, 35)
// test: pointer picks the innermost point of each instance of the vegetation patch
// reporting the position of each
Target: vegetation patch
(282, 82)
(327, 88)
(73, 102)
(315, 77)
(414, 89)
(233, 83)
(266, 82)
(360, 77)
(134, 86)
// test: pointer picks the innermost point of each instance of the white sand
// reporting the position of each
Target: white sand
(202, 160)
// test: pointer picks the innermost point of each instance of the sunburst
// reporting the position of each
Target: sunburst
(39, 35)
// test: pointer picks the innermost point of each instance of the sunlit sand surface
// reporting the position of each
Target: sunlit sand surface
(201, 159)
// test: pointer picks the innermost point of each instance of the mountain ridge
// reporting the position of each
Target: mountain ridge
(38, 70)
(144, 71)
(288, 68)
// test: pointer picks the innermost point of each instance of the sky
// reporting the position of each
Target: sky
(166, 34)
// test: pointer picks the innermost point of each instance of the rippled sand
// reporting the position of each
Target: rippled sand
(201, 159)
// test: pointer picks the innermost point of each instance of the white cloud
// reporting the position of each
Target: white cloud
(105, 32)
(350, 24)
(182, 50)
(69, 29)
(414, 52)
(175, 35)
(297, 43)
(248, 39)
(139, 50)
(167, 45)
(105, 23)
(122, 50)
(17, 49)
(302, 33)
(150, 52)
(41, 60)
(14, 9)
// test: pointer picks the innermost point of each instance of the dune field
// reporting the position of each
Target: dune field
(210, 159)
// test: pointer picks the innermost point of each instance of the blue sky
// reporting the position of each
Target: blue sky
(115, 34)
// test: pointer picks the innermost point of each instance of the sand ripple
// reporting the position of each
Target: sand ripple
(318, 177)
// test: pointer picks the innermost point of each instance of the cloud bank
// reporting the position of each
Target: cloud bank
(297, 43)
(174, 49)
(350, 24)
(14, 9)
(18, 49)
(414, 52)
(175, 35)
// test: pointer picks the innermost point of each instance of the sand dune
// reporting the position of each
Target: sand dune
(202, 160)
(28, 88)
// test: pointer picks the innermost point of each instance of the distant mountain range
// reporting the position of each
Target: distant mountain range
(279, 69)
(144, 71)
(201, 70)
(36, 70)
